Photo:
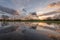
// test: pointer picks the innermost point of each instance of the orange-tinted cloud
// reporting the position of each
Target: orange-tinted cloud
(54, 5)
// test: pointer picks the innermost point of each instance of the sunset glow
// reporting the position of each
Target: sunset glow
(29, 19)
(42, 18)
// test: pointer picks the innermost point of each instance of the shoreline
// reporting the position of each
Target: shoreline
(47, 21)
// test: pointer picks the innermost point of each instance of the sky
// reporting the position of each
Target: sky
(40, 6)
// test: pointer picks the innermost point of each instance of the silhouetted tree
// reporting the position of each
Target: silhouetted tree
(5, 17)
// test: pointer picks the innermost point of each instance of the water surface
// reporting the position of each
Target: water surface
(45, 30)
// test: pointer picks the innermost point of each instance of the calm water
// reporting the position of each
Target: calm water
(29, 31)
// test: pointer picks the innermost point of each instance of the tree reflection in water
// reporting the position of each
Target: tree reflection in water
(4, 24)
(26, 28)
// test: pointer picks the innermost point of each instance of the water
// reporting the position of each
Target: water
(29, 31)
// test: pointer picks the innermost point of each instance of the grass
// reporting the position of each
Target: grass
(47, 21)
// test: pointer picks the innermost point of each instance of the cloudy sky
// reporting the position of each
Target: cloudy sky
(40, 6)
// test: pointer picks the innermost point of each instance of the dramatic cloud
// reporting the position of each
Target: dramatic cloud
(54, 5)
(8, 10)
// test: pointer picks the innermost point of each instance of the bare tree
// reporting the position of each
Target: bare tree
(5, 17)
